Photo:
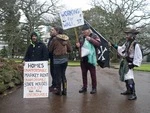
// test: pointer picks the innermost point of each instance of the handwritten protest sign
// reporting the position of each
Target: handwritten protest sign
(36, 79)
(71, 18)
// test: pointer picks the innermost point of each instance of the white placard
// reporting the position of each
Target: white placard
(36, 81)
(71, 18)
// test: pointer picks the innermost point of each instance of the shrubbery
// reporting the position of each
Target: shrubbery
(11, 74)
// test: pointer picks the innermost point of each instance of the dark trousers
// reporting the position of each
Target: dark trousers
(130, 85)
(85, 66)
(52, 73)
(59, 73)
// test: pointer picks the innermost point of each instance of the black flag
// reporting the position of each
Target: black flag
(103, 50)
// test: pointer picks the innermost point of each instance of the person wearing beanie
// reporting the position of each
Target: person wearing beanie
(37, 50)
(88, 41)
(131, 53)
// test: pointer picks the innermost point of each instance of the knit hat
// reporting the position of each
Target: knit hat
(85, 27)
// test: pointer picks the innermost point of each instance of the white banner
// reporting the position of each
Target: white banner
(36, 81)
(71, 18)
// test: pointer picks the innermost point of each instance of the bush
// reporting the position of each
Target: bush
(10, 74)
(3, 52)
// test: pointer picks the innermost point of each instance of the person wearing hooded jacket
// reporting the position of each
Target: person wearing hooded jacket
(37, 50)
(53, 33)
(60, 47)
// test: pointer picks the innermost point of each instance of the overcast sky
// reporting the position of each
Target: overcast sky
(72, 4)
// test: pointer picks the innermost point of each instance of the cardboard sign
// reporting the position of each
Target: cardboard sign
(71, 18)
(36, 81)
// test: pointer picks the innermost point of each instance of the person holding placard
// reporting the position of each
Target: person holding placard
(37, 50)
(88, 43)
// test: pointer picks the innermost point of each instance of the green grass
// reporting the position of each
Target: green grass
(143, 67)
(74, 63)
(70, 63)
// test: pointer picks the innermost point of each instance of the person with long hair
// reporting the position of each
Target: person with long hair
(60, 48)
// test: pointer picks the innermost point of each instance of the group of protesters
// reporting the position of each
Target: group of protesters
(57, 51)
(59, 47)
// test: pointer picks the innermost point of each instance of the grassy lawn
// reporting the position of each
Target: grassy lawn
(74, 63)
(143, 67)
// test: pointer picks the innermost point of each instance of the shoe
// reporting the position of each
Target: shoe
(58, 93)
(83, 90)
(132, 97)
(125, 93)
(51, 88)
(93, 91)
(64, 93)
(55, 90)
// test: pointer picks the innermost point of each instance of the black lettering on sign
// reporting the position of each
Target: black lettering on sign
(28, 84)
(39, 65)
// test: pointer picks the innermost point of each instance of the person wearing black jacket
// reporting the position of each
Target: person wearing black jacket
(37, 50)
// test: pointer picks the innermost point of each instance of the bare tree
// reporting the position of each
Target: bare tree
(144, 40)
(16, 34)
(134, 11)
(112, 17)
(34, 13)
(117, 15)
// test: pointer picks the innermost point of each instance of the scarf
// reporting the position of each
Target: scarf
(92, 55)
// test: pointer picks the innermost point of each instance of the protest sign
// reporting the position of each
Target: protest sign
(36, 81)
(71, 18)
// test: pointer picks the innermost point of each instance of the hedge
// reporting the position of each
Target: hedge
(11, 74)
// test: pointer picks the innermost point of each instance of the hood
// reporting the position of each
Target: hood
(38, 38)
(37, 35)
(62, 36)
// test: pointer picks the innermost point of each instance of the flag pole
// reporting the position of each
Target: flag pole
(76, 34)
(103, 48)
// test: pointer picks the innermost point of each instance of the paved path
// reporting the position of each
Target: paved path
(106, 100)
